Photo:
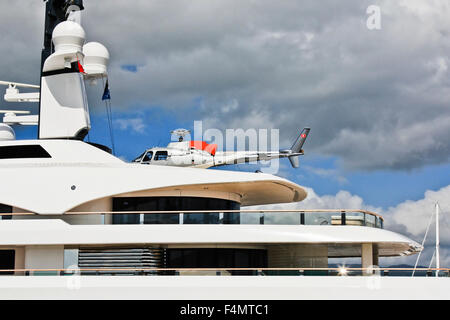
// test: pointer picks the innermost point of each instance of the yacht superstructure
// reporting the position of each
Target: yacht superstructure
(71, 207)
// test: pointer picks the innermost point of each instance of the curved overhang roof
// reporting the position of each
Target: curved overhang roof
(58, 232)
(59, 184)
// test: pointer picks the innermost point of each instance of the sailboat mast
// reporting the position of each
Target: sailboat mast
(437, 240)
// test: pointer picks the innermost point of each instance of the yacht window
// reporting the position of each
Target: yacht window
(175, 204)
(148, 157)
(7, 261)
(23, 152)
(161, 155)
(217, 258)
(5, 209)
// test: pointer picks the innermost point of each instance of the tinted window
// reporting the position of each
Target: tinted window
(217, 258)
(138, 159)
(5, 209)
(23, 152)
(148, 157)
(121, 204)
(160, 155)
(176, 204)
(7, 258)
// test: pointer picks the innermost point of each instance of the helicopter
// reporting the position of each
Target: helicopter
(199, 154)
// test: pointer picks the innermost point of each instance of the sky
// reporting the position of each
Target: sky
(376, 99)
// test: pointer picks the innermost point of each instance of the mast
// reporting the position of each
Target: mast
(63, 103)
(56, 11)
(437, 240)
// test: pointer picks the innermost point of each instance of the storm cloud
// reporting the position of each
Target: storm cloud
(375, 99)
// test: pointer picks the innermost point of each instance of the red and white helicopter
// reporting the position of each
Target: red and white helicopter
(200, 154)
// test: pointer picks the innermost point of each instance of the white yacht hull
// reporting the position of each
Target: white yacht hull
(223, 288)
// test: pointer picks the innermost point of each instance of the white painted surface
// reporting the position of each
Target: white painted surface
(43, 257)
(53, 232)
(225, 287)
(14, 95)
(63, 115)
(12, 119)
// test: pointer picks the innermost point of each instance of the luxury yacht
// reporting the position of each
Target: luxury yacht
(79, 223)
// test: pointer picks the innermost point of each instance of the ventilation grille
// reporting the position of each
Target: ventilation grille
(120, 258)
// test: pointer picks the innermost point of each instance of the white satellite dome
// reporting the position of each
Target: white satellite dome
(68, 36)
(6, 133)
(96, 58)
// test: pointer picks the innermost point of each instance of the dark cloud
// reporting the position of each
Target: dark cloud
(21, 38)
(374, 99)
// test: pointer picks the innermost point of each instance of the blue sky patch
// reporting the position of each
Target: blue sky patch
(129, 67)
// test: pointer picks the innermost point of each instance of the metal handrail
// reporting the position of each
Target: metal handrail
(204, 211)
(221, 269)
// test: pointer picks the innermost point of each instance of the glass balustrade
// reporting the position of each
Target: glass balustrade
(234, 216)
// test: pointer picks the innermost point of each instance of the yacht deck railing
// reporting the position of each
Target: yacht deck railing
(254, 216)
(337, 271)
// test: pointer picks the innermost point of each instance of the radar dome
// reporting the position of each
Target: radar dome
(6, 132)
(96, 58)
(68, 36)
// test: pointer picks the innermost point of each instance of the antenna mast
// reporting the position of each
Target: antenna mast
(56, 11)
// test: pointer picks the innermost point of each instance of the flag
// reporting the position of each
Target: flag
(106, 92)
(80, 67)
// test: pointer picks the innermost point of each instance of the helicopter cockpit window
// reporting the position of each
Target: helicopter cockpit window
(161, 155)
(138, 159)
(148, 157)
